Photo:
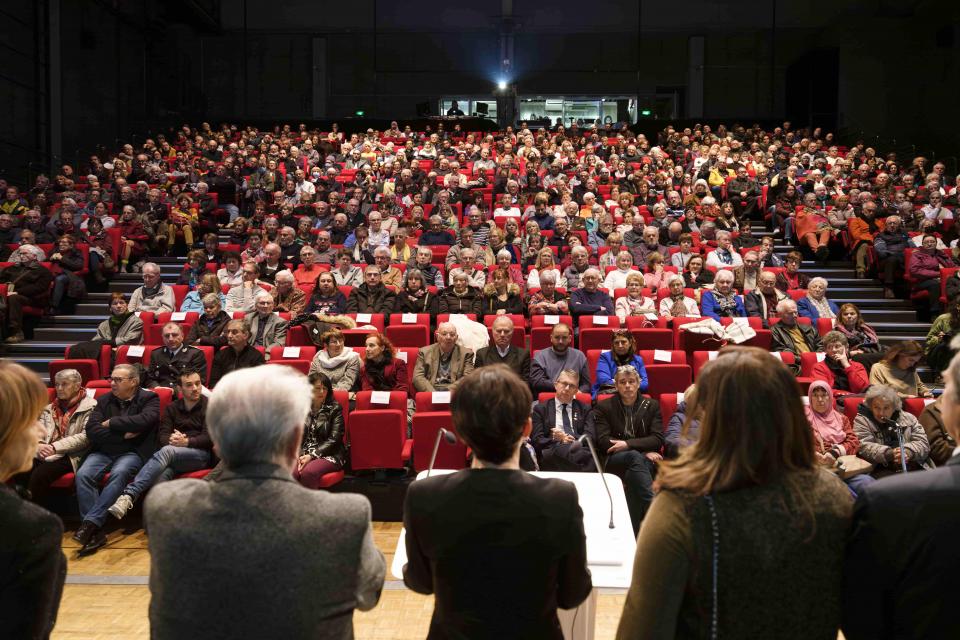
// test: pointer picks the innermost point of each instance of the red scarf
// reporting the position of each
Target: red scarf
(61, 419)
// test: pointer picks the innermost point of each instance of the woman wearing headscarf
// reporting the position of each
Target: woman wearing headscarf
(833, 434)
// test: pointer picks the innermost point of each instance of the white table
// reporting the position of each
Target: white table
(609, 551)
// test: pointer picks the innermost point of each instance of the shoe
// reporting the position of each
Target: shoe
(97, 540)
(15, 338)
(822, 254)
(119, 509)
(888, 293)
(861, 274)
(85, 532)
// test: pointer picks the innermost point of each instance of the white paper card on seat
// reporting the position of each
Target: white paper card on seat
(551, 319)
(440, 397)
(821, 357)
(136, 351)
(178, 316)
(408, 318)
(379, 397)
(604, 320)
(90, 392)
(137, 313)
(364, 317)
(712, 355)
(659, 355)
(402, 355)
(291, 352)
(744, 321)
(777, 355)
(650, 316)
(927, 401)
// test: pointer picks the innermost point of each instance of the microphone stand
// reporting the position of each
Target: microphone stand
(596, 461)
(446, 435)
(903, 456)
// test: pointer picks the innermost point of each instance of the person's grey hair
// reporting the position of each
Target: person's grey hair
(459, 273)
(708, 225)
(549, 277)
(723, 234)
(835, 337)
(283, 274)
(817, 279)
(149, 265)
(675, 276)
(883, 392)
(593, 270)
(263, 295)
(579, 249)
(784, 304)
(411, 273)
(570, 373)
(128, 370)
(210, 299)
(503, 253)
(503, 319)
(626, 370)
(381, 250)
(254, 413)
(68, 375)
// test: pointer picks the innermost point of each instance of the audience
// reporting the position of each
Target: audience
(558, 422)
(209, 327)
(501, 296)
(168, 362)
(31, 287)
(792, 336)
(371, 296)
(243, 297)
(183, 440)
(322, 450)
(837, 370)
(382, 369)
(340, 364)
(440, 365)
(267, 330)
(722, 301)
(256, 419)
(882, 426)
(32, 566)
(238, 354)
(547, 364)
(622, 352)
(121, 432)
(153, 295)
(791, 278)
(630, 435)
(502, 350)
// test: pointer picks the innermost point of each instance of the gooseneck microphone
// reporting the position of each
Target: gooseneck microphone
(593, 451)
(446, 435)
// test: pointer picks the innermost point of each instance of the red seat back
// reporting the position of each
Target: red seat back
(397, 401)
(408, 335)
(426, 425)
(88, 369)
(377, 439)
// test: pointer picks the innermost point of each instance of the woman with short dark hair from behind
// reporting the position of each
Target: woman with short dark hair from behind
(498, 522)
(746, 537)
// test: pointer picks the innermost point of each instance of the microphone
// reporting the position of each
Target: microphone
(576, 444)
(450, 439)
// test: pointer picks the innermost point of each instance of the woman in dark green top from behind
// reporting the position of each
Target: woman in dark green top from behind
(746, 536)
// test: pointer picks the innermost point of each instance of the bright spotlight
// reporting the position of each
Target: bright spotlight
(501, 85)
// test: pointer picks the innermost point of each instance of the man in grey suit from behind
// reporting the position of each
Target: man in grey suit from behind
(255, 554)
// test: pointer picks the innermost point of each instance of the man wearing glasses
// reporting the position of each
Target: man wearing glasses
(121, 431)
(745, 277)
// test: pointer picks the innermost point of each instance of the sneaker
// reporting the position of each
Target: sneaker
(119, 509)
(15, 338)
(888, 293)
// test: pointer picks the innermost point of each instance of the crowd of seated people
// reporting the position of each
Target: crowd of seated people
(599, 225)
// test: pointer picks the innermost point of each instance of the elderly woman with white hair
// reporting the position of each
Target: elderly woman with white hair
(678, 304)
(815, 304)
(634, 303)
(724, 255)
(617, 279)
(256, 419)
(882, 426)
(505, 261)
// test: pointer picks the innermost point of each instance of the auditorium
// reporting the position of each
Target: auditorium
(507, 319)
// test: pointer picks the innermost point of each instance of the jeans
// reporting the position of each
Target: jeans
(857, 484)
(93, 502)
(164, 465)
(637, 474)
(232, 210)
(60, 283)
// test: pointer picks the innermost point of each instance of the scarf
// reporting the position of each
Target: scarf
(117, 321)
(725, 256)
(726, 303)
(335, 362)
(678, 309)
(822, 307)
(375, 372)
(61, 417)
(827, 427)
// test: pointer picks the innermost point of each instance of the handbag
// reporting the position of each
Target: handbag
(850, 466)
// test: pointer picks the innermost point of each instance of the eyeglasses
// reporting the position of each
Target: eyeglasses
(119, 379)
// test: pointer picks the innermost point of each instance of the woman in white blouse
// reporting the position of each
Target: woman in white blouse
(634, 303)
(545, 263)
(617, 279)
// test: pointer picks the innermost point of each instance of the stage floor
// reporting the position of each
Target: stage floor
(106, 596)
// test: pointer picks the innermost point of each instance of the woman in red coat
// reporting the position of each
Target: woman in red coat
(813, 228)
(382, 370)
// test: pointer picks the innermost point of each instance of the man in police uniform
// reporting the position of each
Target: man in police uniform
(167, 363)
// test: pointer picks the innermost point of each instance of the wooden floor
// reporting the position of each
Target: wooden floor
(117, 610)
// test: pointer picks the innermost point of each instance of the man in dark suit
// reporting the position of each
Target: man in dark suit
(558, 422)
(500, 548)
(903, 557)
(167, 363)
(206, 574)
(502, 350)
(122, 432)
